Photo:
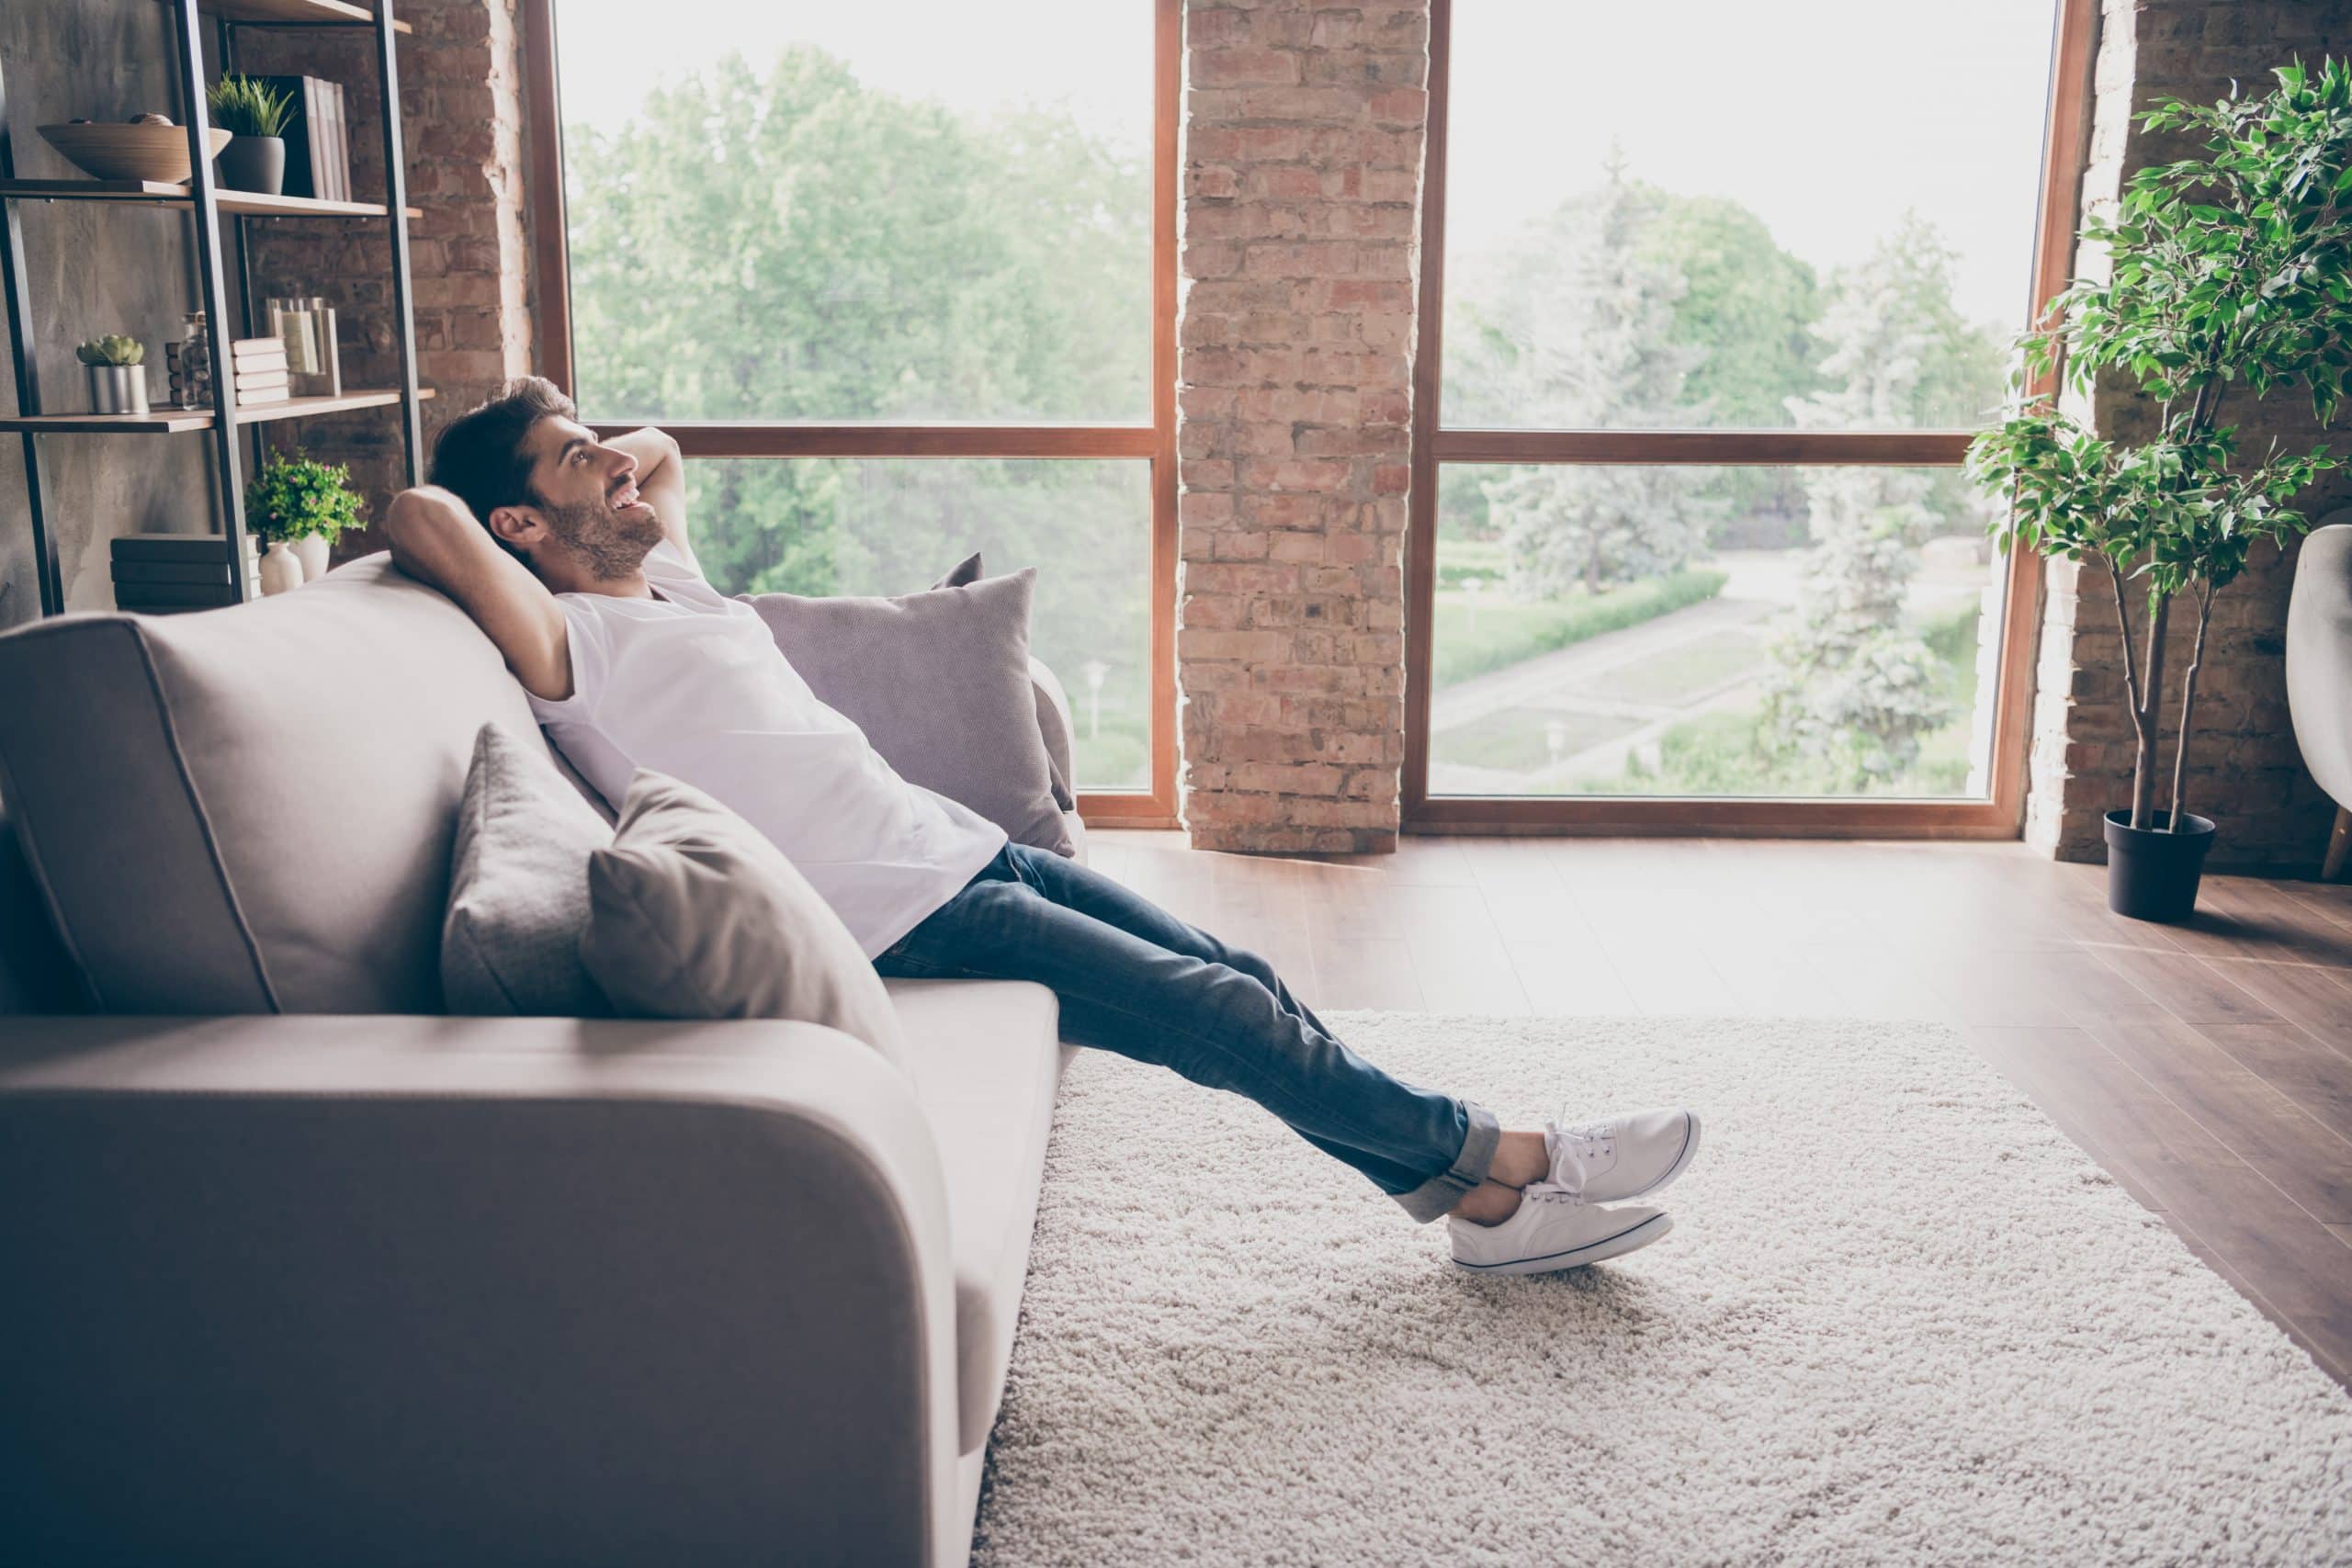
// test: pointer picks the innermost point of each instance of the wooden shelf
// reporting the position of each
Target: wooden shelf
(304, 12)
(166, 420)
(250, 203)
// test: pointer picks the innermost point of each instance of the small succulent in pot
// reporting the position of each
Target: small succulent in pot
(254, 113)
(111, 349)
(117, 385)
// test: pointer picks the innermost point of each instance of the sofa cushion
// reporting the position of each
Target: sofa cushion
(518, 886)
(251, 809)
(939, 682)
(986, 1061)
(695, 914)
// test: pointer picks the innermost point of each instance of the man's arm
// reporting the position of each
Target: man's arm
(436, 539)
(661, 481)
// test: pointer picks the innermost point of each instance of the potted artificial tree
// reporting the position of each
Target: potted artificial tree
(2231, 275)
(302, 506)
(255, 114)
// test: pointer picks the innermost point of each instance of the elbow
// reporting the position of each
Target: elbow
(410, 514)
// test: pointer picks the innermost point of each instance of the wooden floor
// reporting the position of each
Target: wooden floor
(2207, 1067)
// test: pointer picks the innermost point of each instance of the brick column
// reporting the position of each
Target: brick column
(1303, 144)
(462, 117)
(2244, 768)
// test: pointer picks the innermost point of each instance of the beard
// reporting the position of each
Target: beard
(605, 540)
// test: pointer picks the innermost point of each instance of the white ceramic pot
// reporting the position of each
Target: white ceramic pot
(280, 569)
(311, 550)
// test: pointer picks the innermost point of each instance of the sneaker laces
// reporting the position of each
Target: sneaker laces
(1551, 1193)
(1571, 1146)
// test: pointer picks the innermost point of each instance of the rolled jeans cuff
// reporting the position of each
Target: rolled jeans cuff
(1437, 1196)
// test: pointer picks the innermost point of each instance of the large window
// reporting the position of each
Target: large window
(900, 280)
(1713, 298)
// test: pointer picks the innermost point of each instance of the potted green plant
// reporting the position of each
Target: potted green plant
(2231, 273)
(303, 506)
(116, 384)
(254, 113)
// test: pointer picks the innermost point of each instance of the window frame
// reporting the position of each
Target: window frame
(2066, 141)
(1154, 441)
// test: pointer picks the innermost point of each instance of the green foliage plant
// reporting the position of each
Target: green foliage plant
(2229, 270)
(246, 106)
(294, 496)
(1847, 685)
(111, 349)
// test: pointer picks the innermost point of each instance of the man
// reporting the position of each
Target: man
(571, 553)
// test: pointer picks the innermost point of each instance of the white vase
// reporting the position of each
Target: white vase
(311, 550)
(280, 569)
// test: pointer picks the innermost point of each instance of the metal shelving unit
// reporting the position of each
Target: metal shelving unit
(208, 205)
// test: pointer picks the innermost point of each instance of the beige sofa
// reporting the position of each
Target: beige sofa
(294, 1270)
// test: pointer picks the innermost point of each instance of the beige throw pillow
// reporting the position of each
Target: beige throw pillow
(695, 914)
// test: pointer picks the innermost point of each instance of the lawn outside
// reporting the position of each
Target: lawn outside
(1672, 703)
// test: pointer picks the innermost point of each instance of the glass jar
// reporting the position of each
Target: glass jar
(191, 363)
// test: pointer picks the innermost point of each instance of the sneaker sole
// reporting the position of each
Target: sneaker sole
(1633, 1240)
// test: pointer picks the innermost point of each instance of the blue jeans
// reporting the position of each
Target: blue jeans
(1135, 979)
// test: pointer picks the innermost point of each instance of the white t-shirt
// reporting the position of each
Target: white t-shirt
(691, 684)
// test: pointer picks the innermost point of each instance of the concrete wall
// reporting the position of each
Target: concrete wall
(94, 268)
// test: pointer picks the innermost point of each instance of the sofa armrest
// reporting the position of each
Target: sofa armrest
(2318, 656)
(386, 1288)
(1053, 723)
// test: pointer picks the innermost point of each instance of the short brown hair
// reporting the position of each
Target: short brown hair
(481, 455)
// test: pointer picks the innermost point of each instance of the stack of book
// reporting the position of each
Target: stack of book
(261, 369)
(160, 574)
(318, 146)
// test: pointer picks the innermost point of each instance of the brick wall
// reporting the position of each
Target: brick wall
(1301, 164)
(461, 105)
(2244, 768)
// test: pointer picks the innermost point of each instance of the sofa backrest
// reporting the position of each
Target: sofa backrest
(251, 809)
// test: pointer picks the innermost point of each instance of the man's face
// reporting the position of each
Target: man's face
(586, 495)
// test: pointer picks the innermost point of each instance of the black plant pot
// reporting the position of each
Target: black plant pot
(2152, 873)
(255, 164)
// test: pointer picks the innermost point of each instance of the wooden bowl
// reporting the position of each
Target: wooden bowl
(129, 152)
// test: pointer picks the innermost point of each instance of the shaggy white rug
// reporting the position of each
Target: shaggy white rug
(1900, 1318)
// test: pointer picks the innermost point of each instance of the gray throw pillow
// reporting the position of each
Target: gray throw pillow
(939, 680)
(963, 574)
(695, 914)
(518, 886)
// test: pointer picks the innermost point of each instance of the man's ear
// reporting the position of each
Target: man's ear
(518, 526)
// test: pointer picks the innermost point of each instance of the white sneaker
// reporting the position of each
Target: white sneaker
(1554, 1229)
(1622, 1157)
